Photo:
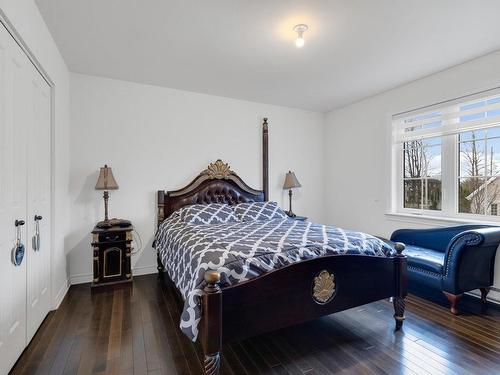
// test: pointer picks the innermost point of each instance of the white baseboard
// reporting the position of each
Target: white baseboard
(145, 270)
(136, 271)
(493, 295)
(81, 278)
(61, 294)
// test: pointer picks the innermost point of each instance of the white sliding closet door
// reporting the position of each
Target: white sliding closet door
(25, 178)
(38, 203)
(13, 124)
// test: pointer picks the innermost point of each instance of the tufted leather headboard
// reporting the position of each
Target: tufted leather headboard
(216, 184)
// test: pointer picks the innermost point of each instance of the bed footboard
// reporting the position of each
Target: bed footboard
(297, 293)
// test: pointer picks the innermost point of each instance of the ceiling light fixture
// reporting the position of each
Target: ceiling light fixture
(300, 29)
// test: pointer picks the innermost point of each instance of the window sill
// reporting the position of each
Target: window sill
(440, 221)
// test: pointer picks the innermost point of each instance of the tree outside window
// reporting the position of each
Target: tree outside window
(479, 184)
(422, 174)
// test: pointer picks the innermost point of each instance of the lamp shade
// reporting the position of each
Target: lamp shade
(106, 181)
(291, 181)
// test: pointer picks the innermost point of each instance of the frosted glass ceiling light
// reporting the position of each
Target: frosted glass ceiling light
(300, 29)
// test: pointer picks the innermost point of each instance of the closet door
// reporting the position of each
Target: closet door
(13, 122)
(38, 202)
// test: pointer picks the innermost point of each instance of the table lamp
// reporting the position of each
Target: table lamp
(106, 182)
(291, 182)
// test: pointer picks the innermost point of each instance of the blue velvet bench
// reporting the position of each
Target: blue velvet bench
(453, 260)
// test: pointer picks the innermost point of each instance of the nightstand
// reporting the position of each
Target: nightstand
(112, 249)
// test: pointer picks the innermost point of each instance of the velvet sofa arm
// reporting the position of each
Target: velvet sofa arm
(437, 239)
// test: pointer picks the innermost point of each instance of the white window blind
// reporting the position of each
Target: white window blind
(478, 111)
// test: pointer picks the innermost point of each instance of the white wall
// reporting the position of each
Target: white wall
(158, 138)
(358, 147)
(27, 21)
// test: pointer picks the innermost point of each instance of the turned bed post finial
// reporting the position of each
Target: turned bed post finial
(265, 158)
(212, 279)
(399, 246)
(212, 340)
(399, 299)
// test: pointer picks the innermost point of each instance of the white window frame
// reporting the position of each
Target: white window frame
(450, 162)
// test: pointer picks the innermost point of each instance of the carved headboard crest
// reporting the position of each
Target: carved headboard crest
(218, 170)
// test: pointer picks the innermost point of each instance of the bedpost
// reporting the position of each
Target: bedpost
(211, 324)
(401, 285)
(159, 264)
(159, 220)
(265, 159)
(160, 216)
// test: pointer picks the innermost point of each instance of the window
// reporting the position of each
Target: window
(449, 158)
(478, 171)
(422, 174)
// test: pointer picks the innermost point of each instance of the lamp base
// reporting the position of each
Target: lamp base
(290, 212)
(104, 224)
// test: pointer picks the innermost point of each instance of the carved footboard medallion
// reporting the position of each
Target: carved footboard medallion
(324, 287)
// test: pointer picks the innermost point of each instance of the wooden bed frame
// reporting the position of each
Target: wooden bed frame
(296, 293)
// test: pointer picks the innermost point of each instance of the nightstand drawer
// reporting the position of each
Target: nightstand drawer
(113, 237)
(110, 238)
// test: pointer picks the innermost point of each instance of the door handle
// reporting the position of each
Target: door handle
(35, 240)
(18, 250)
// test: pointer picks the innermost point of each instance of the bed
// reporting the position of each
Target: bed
(241, 279)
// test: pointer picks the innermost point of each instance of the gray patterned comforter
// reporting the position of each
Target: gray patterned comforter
(244, 250)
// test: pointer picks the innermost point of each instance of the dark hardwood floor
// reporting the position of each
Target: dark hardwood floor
(135, 331)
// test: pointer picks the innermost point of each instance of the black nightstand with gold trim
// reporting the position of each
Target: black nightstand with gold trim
(112, 249)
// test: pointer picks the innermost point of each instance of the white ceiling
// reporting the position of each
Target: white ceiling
(245, 49)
